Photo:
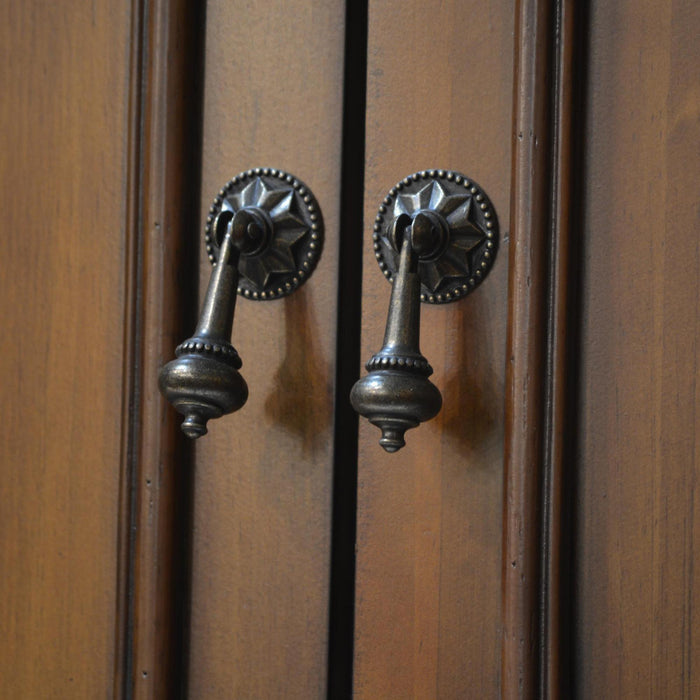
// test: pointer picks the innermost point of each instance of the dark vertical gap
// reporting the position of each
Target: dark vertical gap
(553, 78)
(568, 618)
(565, 558)
(344, 498)
(193, 30)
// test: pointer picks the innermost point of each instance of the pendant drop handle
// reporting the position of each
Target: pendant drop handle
(397, 395)
(264, 236)
(435, 239)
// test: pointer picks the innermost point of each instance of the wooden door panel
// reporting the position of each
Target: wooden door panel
(65, 116)
(273, 97)
(100, 178)
(638, 458)
(429, 517)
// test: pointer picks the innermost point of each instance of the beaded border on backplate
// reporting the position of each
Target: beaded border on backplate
(310, 250)
(485, 220)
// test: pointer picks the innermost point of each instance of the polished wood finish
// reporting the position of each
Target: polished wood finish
(273, 97)
(429, 517)
(65, 115)
(637, 508)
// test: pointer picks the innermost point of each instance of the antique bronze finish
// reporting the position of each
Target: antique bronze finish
(264, 235)
(435, 239)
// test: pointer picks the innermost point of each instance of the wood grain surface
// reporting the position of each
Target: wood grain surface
(262, 520)
(429, 517)
(638, 505)
(64, 72)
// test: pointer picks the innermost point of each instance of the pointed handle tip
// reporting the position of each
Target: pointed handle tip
(194, 426)
(392, 440)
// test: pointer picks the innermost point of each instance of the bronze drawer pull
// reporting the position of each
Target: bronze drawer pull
(435, 238)
(264, 235)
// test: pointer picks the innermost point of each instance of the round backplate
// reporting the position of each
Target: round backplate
(293, 250)
(473, 232)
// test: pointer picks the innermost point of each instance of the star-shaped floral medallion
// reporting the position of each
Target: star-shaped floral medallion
(295, 239)
(467, 214)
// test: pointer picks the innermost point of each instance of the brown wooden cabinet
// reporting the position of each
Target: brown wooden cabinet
(537, 539)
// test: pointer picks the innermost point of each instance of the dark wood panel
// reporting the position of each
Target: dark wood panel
(638, 539)
(261, 562)
(429, 517)
(64, 78)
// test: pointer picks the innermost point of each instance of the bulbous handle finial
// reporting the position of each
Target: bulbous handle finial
(264, 235)
(435, 239)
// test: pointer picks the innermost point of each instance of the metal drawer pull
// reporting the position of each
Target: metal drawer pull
(264, 235)
(435, 238)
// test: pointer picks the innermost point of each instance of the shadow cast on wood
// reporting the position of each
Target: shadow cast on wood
(302, 401)
(472, 403)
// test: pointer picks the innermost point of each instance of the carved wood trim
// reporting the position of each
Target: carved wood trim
(542, 325)
(164, 138)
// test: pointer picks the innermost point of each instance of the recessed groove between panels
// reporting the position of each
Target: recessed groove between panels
(342, 590)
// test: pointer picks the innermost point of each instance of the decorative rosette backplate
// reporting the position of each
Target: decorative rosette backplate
(293, 231)
(469, 232)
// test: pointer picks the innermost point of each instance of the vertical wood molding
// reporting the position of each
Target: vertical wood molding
(538, 381)
(123, 614)
(163, 209)
(526, 352)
